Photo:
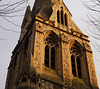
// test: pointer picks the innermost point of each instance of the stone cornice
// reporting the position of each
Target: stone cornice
(71, 32)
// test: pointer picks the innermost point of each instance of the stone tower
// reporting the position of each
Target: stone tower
(52, 52)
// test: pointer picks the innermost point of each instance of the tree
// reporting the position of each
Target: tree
(94, 21)
(10, 9)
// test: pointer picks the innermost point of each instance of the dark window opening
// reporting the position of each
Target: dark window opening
(58, 20)
(76, 61)
(24, 80)
(50, 50)
(52, 58)
(65, 19)
(79, 67)
(61, 17)
(47, 56)
(73, 65)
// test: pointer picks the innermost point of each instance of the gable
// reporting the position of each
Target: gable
(67, 23)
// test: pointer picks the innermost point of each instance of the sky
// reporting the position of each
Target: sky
(10, 39)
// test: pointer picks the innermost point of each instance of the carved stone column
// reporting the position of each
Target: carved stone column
(46, 85)
(92, 72)
(66, 65)
(37, 51)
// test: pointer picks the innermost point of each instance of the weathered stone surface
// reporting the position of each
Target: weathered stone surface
(29, 56)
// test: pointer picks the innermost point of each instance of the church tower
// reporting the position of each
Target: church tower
(52, 52)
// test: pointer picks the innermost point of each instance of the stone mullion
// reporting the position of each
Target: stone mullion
(66, 66)
(92, 72)
(63, 18)
(76, 67)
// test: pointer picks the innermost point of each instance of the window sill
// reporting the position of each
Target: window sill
(51, 72)
(78, 79)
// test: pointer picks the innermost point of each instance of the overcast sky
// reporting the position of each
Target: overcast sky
(10, 39)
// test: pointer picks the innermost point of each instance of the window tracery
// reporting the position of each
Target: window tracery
(50, 52)
(76, 61)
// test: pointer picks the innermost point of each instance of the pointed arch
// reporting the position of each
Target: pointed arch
(75, 42)
(76, 58)
(52, 34)
(24, 79)
(33, 79)
(51, 42)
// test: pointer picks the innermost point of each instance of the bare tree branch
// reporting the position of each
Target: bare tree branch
(95, 45)
(93, 21)
(11, 9)
(97, 59)
(10, 22)
(9, 30)
(11, 16)
(93, 5)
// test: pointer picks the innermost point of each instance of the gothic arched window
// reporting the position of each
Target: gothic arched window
(50, 52)
(76, 61)
(65, 16)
